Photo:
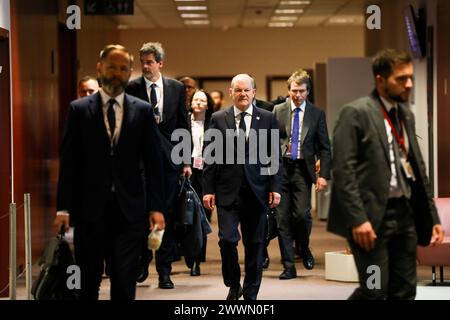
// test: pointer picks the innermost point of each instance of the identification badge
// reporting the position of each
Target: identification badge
(407, 169)
(198, 163)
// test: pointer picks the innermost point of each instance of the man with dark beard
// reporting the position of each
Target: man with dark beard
(110, 178)
(381, 200)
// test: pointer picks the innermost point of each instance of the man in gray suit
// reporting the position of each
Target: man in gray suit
(381, 200)
(304, 140)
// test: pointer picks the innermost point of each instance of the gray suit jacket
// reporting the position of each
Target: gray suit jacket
(315, 143)
(361, 170)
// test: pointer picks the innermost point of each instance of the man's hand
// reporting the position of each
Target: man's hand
(364, 235)
(157, 217)
(274, 199)
(187, 171)
(61, 220)
(321, 184)
(317, 166)
(437, 235)
(209, 201)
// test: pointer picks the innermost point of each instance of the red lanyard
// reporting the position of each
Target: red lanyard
(399, 138)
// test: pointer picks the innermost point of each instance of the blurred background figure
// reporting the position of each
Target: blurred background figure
(201, 110)
(217, 97)
(190, 85)
(87, 86)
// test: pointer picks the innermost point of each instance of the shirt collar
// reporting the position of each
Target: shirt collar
(105, 98)
(238, 112)
(388, 105)
(159, 82)
(302, 106)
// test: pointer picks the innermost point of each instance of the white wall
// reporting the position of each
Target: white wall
(5, 21)
(347, 80)
(257, 51)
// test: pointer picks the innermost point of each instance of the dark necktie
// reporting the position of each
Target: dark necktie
(153, 99)
(111, 114)
(295, 133)
(393, 115)
(242, 125)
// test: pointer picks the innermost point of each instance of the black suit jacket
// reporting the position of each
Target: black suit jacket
(88, 170)
(174, 109)
(361, 170)
(221, 179)
(266, 105)
(315, 143)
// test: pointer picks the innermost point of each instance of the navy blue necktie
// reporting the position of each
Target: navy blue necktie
(154, 99)
(242, 125)
(111, 114)
(295, 133)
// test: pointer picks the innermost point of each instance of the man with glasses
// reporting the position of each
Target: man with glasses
(167, 97)
(304, 140)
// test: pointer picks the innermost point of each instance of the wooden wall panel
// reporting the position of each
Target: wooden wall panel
(5, 160)
(443, 98)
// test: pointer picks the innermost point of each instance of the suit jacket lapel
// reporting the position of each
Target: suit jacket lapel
(285, 116)
(255, 119)
(307, 119)
(167, 99)
(229, 118)
(95, 108)
(407, 121)
(143, 86)
(129, 112)
(378, 121)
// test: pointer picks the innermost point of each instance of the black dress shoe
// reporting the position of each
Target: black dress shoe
(144, 262)
(288, 274)
(235, 293)
(266, 263)
(195, 270)
(165, 282)
(308, 259)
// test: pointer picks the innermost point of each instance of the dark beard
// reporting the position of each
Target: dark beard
(111, 88)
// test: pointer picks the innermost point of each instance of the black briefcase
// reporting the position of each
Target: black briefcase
(51, 283)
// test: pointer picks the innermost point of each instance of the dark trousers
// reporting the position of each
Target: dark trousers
(394, 254)
(294, 211)
(247, 211)
(114, 239)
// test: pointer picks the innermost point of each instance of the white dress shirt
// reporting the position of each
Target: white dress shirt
(159, 88)
(247, 118)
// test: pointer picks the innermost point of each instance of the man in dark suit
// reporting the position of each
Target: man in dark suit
(266, 105)
(110, 145)
(242, 190)
(381, 200)
(304, 140)
(167, 97)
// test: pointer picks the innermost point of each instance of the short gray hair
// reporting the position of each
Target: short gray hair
(243, 76)
(155, 48)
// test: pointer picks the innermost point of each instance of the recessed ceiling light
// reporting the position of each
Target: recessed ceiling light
(189, 0)
(342, 20)
(295, 2)
(194, 15)
(280, 24)
(284, 18)
(196, 22)
(123, 27)
(191, 8)
(288, 11)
